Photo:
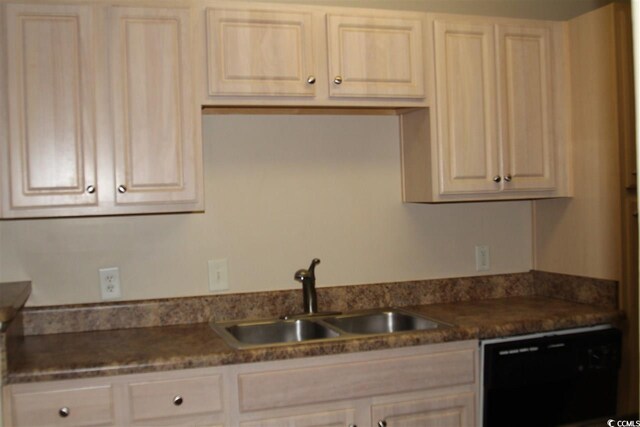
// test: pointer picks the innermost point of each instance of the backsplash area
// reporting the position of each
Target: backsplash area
(255, 305)
(279, 191)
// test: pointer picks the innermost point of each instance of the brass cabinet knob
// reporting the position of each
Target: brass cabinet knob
(497, 178)
(507, 178)
(338, 80)
(311, 79)
(178, 400)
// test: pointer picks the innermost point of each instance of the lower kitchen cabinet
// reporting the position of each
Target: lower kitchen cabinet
(454, 409)
(430, 385)
(176, 398)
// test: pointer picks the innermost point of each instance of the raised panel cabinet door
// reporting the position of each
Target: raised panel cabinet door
(259, 52)
(468, 146)
(157, 150)
(375, 57)
(51, 107)
(455, 410)
(526, 106)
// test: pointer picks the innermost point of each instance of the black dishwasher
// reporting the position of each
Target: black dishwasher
(550, 380)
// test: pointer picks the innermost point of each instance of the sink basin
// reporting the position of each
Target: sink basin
(381, 322)
(273, 332)
(321, 327)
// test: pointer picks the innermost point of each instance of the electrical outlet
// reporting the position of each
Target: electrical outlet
(109, 283)
(483, 258)
(218, 275)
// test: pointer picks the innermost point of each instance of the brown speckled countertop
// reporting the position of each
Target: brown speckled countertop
(123, 351)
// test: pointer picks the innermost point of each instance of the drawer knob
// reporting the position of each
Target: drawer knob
(507, 178)
(382, 423)
(91, 189)
(497, 178)
(311, 80)
(122, 189)
(338, 80)
(64, 412)
(178, 400)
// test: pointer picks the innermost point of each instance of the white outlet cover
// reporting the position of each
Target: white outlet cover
(110, 283)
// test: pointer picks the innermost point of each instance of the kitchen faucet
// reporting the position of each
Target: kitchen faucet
(308, 280)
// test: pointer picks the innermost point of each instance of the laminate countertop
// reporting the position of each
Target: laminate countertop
(124, 351)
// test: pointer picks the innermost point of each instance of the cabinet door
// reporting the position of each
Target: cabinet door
(456, 410)
(50, 151)
(257, 52)
(157, 150)
(375, 57)
(469, 155)
(526, 107)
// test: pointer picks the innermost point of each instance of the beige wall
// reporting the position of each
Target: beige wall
(280, 190)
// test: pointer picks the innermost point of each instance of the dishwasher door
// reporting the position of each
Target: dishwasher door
(550, 379)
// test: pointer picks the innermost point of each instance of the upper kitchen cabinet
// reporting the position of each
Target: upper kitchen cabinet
(48, 156)
(312, 56)
(257, 52)
(497, 129)
(375, 57)
(156, 145)
(100, 111)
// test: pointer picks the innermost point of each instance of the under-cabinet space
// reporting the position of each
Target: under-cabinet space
(312, 56)
(498, 128)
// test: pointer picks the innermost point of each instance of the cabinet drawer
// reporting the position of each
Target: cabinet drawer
(86, 406)
(342, 381)
(158, 399)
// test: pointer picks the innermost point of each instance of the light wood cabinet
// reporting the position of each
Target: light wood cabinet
(431, 385)
(375, 56)
(101, 117)
(498, 129)
(329, 418)
(467, 102)
(313, 54)
(259, 52)
(524, 58)
(49, 155)
(449, 410)
(192, 397)
(156, 155)
(70, 404)
(435, 384)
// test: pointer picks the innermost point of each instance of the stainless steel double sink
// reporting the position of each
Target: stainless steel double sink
(322, 327)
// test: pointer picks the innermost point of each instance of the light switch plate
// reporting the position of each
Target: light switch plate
(483, 258)
(218, 275)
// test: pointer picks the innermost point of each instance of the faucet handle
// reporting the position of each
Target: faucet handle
(312, 268)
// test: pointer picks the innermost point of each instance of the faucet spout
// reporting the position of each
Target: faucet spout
(308, 280)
